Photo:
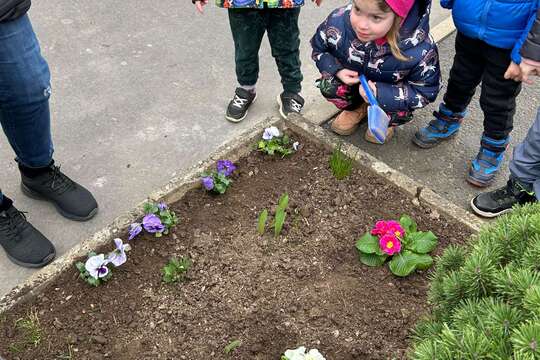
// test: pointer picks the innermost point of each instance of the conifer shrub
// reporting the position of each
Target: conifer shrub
(486, 296)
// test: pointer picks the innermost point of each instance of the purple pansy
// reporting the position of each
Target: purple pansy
(152, 224)
(134, 230)
(226, 167)
(208, 182)
(118, 255)
(162, 206)
(97, 266)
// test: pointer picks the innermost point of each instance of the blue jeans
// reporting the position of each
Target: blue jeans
(24, 94)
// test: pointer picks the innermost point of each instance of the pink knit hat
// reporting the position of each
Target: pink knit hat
(401, 7)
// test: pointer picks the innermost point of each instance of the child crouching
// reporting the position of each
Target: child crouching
(386, 40)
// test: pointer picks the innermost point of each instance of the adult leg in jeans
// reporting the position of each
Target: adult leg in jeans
(25, 119)
(24, 115)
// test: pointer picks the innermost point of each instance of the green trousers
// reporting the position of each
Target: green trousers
(248, 27)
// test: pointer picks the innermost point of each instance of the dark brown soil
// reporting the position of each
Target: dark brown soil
(306, 287)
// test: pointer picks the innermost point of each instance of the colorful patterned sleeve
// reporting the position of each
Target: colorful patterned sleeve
(327, 63)
(419, 88)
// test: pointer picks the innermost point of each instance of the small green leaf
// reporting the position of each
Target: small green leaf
(407, 224)
(368, 244)
(262, 144)
(403, 263)
(279, 221)
(423, 261)
(262, 221)
(232, 346)
(80, 266)
(283, 201)
(372, 259)
(421, 242)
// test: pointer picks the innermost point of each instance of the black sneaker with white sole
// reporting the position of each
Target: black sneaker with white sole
(239, 105)
(24, 244)
(289, 103)
(497, 202)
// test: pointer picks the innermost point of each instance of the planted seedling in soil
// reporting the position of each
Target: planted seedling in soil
(31, 332)
(279, 217)
(176, 269)
(340, 164)
(233, 345)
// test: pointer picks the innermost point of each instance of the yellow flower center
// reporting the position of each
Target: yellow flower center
(389, 244)
(397, 233)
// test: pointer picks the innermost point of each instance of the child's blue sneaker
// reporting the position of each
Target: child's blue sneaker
(487, 163)
(445, 125)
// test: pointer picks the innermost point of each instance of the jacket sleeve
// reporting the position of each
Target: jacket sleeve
(419, 88)
(531, 48)
(447, 4)
(327, 63)
(516, 56)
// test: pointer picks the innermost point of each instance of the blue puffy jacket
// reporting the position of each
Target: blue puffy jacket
(500, 23)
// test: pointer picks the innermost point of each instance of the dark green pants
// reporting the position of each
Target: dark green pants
(248, 27)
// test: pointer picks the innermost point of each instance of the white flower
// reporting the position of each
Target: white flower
(296, 354)
(300, 354)
(295, 145)
(97, 266)
(314, 354)
(118, 256)
(270, 133)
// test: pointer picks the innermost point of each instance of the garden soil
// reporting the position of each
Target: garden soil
(305, 287)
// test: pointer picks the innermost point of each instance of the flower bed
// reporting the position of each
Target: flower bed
(245, 295)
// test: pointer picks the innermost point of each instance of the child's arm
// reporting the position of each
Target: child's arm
(327, 63)
(420, 87)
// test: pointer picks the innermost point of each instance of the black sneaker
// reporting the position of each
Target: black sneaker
(24, 244)
(500, 201)
(239, 105)
(289, 103)
(70, 199)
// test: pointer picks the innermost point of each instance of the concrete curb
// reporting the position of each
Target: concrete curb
(233, 150)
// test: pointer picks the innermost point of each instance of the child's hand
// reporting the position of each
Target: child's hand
(529, 68)
(348, 77)
(513, 72)
(199, 4)
(373, 87)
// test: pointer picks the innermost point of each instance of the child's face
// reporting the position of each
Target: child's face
(369, 22)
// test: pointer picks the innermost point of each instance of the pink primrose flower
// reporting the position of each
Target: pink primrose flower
(392, 227)
(390, 244)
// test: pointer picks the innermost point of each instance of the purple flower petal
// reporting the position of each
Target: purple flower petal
(162, 206)
(134, 230)
(208, 182)
(226, 167)
(152, 224)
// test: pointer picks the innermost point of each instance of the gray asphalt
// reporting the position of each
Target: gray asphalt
(444, 168)
(139, 93)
